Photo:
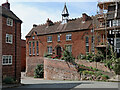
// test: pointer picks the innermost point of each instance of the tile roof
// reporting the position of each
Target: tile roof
(8, 13)
(57, 27)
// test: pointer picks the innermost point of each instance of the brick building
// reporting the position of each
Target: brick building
(77, 35)
(23, 55)
(11, 43)
(74, 34)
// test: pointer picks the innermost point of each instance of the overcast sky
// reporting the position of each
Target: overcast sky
(37, 12)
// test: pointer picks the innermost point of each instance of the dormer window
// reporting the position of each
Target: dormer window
(9, 22)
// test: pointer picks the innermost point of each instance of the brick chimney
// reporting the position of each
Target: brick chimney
(49, 22)
(85, 17)
(34, 25)
(6, 5)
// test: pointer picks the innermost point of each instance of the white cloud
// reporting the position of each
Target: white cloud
(32, 15)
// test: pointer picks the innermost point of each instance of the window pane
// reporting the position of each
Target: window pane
(33, 48)
(49, 39)
(58, 37)
(68, 37)
(10, 59)
(29, 48)
(69, 48)
(6, 60)
(49, 49)
(37, 47)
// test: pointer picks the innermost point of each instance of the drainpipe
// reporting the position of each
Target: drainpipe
(15, 47)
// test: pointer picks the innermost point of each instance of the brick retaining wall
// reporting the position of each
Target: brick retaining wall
(59, 70)
(100, 66)
(31, 63)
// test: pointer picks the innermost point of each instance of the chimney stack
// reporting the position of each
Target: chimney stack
(85, 16)
(34, 25)
(49, 22)
(6, 5)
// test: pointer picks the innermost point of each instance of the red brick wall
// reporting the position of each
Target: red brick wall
(31, 63)
(78, 42)
(59, 70)
(9, 49)
(23, 55)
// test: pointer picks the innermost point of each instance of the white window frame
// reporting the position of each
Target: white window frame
(68, 37)
(58, 38)
(9, 57)
(9, 22)
(49, 49)
(9, 37)
(49, 38)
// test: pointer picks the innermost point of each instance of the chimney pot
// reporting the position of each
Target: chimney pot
(6, 5)
(34, 25)
(49, 22)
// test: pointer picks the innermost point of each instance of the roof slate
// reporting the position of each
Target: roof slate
(57, 27)
(6, 12)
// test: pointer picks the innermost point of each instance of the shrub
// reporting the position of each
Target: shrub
(90, 72)
(8, 80)
(95, 69)
(116, 67)
(99, 56)
(67, 56)
(105, 76)
(98, 74)
(83, 57)
(39, 71)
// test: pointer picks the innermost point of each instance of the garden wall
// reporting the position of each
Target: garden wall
(59, 70)
(100, 66)
(31, 63)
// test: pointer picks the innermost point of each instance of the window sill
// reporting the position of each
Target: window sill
(68, 40)
(6, 64)
(49, 42)
(9, 25)
(8, 43)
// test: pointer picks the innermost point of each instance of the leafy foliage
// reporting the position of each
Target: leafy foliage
(39, 71)
(116, 67)
(8, 80)
(67, 56)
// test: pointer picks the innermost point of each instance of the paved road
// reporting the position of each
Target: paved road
(40, 83)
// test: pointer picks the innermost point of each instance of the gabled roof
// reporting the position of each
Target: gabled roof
(57, 27)
(8, 13)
